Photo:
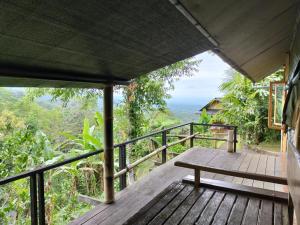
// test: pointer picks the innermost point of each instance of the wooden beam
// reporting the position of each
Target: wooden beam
(109, 196)
(239, 189)
(234, 173)
(51, 76)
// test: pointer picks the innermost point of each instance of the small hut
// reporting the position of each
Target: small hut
(212, 107)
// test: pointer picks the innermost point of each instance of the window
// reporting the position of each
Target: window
(276, 102)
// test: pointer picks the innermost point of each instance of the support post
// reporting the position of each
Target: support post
(109, 195)
(122, 165)
(164, 142)
(41, 197)
(191, 133)
(234, 139)
(197, 178)
(33, 200)
(230, 141)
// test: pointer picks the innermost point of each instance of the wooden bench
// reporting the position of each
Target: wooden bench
(291, 199)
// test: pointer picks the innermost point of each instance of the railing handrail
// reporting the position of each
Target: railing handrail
(76, 158)
(87, 155)
(47, 167)
(156, 151)
(151, 134)
(37, 198)
(215, 125)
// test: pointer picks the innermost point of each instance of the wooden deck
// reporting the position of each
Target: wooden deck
(183, 204)
(132, 199)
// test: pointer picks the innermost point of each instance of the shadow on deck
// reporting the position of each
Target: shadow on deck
(132, 199)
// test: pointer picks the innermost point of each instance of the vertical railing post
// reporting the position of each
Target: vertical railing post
(41, 197)
(191, 133)
(230, 140)
(234, 138)
(109, 194)
(33, 200)
(164, 142)
(122, 165)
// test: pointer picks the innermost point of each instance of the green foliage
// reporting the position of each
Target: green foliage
(159, 119)
(33, 133)
(21, 149)
(150, 91)
(145, 93)
(178, 149)
(24, 147)
(246, 105)
(87, 96)
(203, 119)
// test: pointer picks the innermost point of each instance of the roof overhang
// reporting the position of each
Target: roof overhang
(253, 36)
(88, 44)
(44, 43)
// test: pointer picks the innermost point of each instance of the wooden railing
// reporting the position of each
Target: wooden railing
(124, 168)
(156, 151)
(36, 176)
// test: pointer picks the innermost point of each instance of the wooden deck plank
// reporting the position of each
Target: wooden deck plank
(270, 170)
(208, 213)
(265, 213)
(224, 210)
(197, 208)
(251, 214)
(237, 213)
(280, 171)
(223, 163)
(252, 169)
(184, 208)
(207, 174)
(163, 215)
(158, 206)
(261, 169)
(277, 214)
(244, 167)
(235, 166)
(277, 187)
(217, 162)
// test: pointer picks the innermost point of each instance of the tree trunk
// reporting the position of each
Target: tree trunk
(135, 123)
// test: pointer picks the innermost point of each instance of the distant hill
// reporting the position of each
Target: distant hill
(183, 109)
(184, 112)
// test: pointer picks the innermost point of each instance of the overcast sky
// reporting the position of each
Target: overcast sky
(204, 85)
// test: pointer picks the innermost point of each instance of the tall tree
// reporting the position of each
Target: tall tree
(150, 91)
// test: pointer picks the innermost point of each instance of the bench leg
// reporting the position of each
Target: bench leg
(290, 209)
(197, 178)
